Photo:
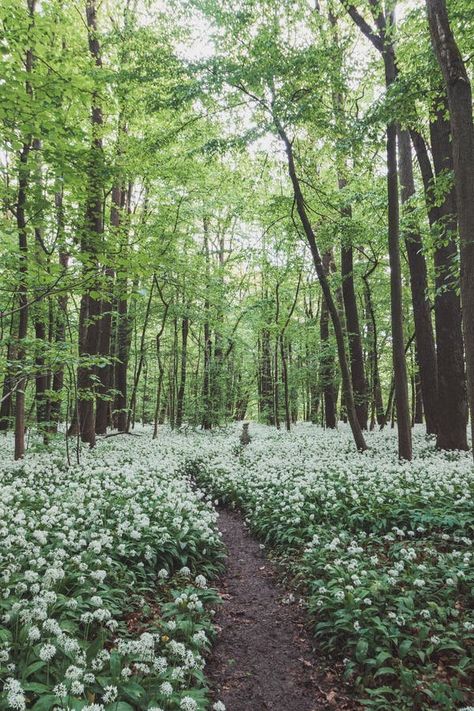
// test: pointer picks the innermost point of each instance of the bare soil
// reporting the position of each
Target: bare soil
(263, 658)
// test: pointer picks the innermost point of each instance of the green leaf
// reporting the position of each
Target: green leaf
(45, 703)
(404, 648)
(361, 650)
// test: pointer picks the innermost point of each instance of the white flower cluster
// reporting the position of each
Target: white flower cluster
(79, 544)
(387, 555)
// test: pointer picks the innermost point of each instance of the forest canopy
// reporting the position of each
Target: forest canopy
(213, 211)
(236, 350)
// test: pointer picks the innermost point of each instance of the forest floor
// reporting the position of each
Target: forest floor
(263, 658)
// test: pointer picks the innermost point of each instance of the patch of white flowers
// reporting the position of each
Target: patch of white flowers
(82, 547)
(387, 547)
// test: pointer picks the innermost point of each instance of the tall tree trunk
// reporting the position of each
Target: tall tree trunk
(206, 421)
(90, 241)
(382, 41)
(22, 298)
(425, 345)
(378, 413)
(182, 379)
(399, 363)
(59, 337)
(284, 372)
(9, 380)
(266, 382)
(120, 199)
(452, 395)
(453, 407)
(140, 362)
(276, 377)
(459, 93)
(323, 280)
(326, 366)
(104, 372)
(356, 357)
(23, 178)
(418, 407)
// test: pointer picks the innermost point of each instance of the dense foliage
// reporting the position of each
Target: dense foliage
(213, 211)
(381, 551)
(104, 593)
(197, 225)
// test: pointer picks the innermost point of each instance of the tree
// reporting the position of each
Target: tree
(459, 94)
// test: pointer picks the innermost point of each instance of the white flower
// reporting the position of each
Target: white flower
(77, 688)
(218, 706)
(188, 704)
(163, 574)
(60, 690)
(200, 581)
(166, 688)
(47, 652)
(15, 695)
(34, 634)
(110, 694)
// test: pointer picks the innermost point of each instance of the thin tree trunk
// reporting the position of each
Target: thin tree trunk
(276, 384)
(182, 380)
(378, 409)
(104, 327)
(399, 363)
(356, 357)
(332, 308)
(8, 382)
(123, 337)
(22, 299)
(206, 421)
(23, 178)
(383, 43)
(326, 366)
(284, 369)
(141, 358)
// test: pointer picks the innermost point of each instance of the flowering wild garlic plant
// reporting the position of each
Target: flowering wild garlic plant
(104, 568)
(381, 550)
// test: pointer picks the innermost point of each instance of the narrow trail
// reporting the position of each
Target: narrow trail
(263, 659)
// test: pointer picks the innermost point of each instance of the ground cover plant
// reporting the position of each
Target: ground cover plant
(103, 592)
(382, 551)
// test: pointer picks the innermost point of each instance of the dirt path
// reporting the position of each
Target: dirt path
(262, 659)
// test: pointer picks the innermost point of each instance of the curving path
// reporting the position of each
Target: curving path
(263, 659)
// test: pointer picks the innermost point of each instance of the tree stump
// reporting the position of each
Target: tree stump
(245, 437)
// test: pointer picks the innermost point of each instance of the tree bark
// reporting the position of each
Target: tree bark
(104, 372)
(425, 344)
(378, 413)
(331, 304)
(356, 356)
(22, 298)
(182, 379)
(326, 365)
(381, 39)
(460, 108)
(453, 407)
(91, 235)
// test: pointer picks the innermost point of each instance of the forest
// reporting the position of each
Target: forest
(236, 355)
